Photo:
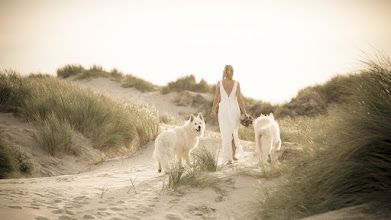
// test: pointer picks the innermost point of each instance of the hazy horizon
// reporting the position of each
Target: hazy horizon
(276, 48)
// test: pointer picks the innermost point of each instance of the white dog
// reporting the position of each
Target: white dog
(267, 137)
(178, 142)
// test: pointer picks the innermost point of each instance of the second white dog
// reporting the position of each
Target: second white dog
(178, 142)
(267, 138)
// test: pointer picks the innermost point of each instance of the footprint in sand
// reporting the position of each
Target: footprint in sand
(32, 207)
(172, 217)
(79, 201)
(69, 212)
(89, 217)
(66, 217)
(202, 211)
(15, 207)
(221, 194)
(81, 198)
(103, 214)
(58, 211)
(116, 209)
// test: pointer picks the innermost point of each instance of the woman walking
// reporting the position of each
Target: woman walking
(229, 114)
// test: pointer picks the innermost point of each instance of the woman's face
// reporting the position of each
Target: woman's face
(230, 72)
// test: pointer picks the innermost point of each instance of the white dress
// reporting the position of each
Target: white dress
(229, 118)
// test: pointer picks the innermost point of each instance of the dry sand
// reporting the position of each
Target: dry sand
(106, 192)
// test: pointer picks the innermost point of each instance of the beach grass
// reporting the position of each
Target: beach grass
(205, 159)
(200, 175)
(188, 83)
(57, 106)
(95, 71)
(349, 163)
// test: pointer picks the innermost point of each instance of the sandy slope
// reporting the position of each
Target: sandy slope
(164, 103)
(21, 135)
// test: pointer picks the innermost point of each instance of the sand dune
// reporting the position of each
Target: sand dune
(164, 103)
(128, 188)
(105, 191)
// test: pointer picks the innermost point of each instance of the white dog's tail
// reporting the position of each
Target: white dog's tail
(262, 123)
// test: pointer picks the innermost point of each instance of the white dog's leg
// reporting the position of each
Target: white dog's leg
(266, 143)
(278, 144)
(258, 146)
(159, 169)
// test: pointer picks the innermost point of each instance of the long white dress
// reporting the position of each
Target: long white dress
(229, 118)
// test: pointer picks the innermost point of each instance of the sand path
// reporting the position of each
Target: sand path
(106, 192)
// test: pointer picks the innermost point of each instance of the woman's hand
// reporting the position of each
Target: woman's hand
(213, 114)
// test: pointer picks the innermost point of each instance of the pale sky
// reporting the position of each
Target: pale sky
(276, 47)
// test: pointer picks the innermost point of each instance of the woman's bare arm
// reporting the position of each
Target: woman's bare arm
(240, 101)
(216, 100)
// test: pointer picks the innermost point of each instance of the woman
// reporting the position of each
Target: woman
(229, 113)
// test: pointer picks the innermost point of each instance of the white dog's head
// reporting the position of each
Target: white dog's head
(197, 123)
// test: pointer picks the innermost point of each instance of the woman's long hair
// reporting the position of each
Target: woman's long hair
(226, 74)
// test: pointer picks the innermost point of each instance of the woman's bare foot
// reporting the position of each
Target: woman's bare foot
(229, 162)
(235, 158)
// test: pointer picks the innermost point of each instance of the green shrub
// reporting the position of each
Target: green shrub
(6, 166)
(12, 160)
(25, 166)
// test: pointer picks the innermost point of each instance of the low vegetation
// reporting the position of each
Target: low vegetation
(197, 176)
(188, 83)
(94, 71)
(347, 161)
(13, 160)
(57, 107)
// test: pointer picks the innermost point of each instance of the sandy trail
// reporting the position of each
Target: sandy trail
(106, 192)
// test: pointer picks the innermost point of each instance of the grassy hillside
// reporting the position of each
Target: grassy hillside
(127, 80)
(316, 100)
(349, 161)
(57, 108)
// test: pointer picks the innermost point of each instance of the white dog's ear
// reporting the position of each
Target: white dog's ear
(200, 116)
(191, 117)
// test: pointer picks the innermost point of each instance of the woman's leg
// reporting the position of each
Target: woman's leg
(233, 149)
